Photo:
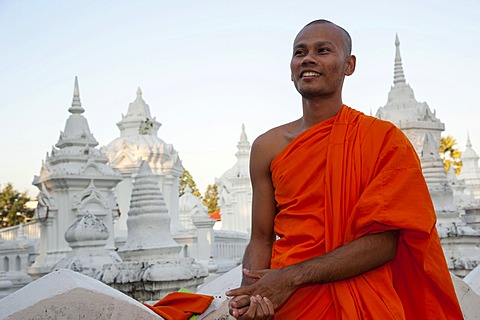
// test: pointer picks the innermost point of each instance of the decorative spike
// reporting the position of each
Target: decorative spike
(243, 135)
(243, 145)
(398, 75)
(469, 144)
(139, 92)
(76, 107)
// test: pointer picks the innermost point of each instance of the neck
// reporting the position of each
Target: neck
(316, 110)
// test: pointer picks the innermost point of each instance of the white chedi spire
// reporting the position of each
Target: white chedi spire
(412, 117)
(398, 75)
(138, 120)
(235, 191)
(470, 172)
(77, 131)
(243, 145)
(148, 221)
(76, 104)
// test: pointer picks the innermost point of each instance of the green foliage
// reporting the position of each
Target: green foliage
(210, 198)
(12, 206)
(187, 179)
(450, 155)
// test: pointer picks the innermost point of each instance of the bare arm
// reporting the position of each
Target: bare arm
(355, 258)
(259, 250)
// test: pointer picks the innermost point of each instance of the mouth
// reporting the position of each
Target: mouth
(308, 74)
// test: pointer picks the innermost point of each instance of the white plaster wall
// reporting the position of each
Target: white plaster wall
(67, 295)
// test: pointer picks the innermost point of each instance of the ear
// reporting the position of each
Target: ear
(350, 64)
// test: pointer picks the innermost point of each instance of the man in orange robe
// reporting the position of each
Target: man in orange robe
(343, 226)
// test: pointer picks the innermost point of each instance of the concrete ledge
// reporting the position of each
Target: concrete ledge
(468, 299)
(65, 294)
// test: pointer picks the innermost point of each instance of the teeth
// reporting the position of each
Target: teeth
(311, 74)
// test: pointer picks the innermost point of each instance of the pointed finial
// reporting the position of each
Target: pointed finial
(469, 144)
(398, 75)
(243, 135)
(144, 168)
(139, 92)
(76, 104)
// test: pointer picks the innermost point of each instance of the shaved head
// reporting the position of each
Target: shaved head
(346, 36)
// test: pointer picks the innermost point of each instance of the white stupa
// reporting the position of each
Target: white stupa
(138, 141)
(73, 178)
(436, 178)
(470, 172)
(414, 118)
(151, 266)
(235, 190)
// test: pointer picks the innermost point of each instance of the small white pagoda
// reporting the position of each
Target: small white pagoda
(414, 118)
(74, 178)
(235, 190)
(470, 172)
(138, 141)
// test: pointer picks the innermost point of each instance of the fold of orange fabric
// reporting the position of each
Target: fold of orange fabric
(181, 305)
(346, 177)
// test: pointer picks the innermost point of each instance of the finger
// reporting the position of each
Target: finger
(236, 313)
(240, 301)
(243, 310)
(254, 274)
(252, 310)
(251, 274)
(262, 309)
(238, 291)
(271, 309)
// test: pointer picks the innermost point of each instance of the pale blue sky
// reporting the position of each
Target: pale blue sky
(206, 67)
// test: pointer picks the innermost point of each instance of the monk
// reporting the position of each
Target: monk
(343, 226)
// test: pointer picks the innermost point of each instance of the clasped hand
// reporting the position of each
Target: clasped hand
(266, 290)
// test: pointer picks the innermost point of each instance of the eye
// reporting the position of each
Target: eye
(323, 50)
(299, 52)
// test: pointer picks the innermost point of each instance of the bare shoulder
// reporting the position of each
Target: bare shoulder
(269, 144)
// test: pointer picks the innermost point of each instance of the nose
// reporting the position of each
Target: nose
(309, 59)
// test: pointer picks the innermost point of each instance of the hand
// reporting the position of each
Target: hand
(272, 284)
(258, 309)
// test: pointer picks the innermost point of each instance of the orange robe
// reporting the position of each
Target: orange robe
(343, 178)
(181, 305)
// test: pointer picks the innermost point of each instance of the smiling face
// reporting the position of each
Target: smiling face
(321, 60)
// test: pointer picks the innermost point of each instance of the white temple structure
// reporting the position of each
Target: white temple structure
(138, 141)
(151, 266)
(470, 172)
(235, 190)
(414, 118)
(459, 239)
(73, 178)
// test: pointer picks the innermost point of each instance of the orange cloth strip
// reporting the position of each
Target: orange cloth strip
(349, 176)
(181, 305)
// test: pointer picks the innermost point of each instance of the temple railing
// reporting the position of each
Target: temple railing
(31, 231)
(230, 245)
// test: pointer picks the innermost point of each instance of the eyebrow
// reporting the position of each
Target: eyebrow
(317, 44)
